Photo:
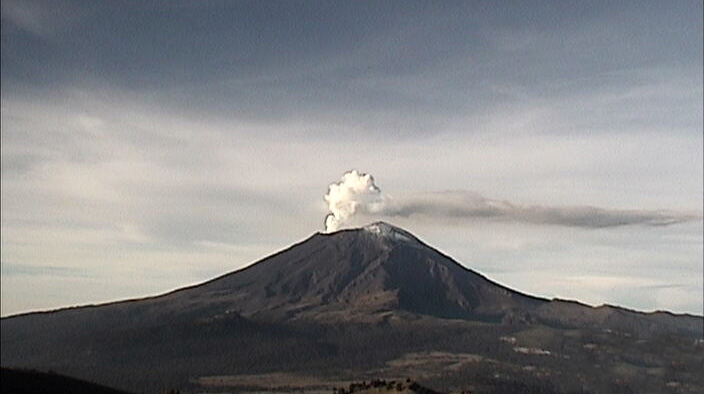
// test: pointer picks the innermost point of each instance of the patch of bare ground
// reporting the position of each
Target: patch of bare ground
(280, 381)
(423, 364)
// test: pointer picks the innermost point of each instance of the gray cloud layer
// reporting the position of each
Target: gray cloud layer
(458, 205)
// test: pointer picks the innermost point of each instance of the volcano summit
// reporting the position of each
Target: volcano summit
(358, 304)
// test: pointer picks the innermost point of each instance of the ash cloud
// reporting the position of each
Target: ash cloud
(469, 205)
(358, 194)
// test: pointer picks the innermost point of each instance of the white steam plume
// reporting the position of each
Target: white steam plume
(357, 194)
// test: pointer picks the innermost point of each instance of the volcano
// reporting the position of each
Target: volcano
(347, 305)
(363, 274)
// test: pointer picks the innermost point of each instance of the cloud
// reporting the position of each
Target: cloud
(12, 269)
(357, 193)
(40, 18)
(458, 205)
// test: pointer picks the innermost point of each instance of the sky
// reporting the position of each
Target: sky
(151, 145)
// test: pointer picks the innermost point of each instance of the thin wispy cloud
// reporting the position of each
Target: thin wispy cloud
(42, 19)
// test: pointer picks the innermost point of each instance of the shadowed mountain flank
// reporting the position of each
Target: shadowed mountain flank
(358, 273)
(354, 304)
(19, 381)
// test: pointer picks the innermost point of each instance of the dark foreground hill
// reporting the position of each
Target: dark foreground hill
(20, 381)
(355, 304)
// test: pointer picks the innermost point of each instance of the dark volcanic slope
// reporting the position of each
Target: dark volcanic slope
(364, 274)
(20, 381)
(295, 309)
(349, 275)
(355, 273)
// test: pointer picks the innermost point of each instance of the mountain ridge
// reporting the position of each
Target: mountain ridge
(382, 229)
(354, 304)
